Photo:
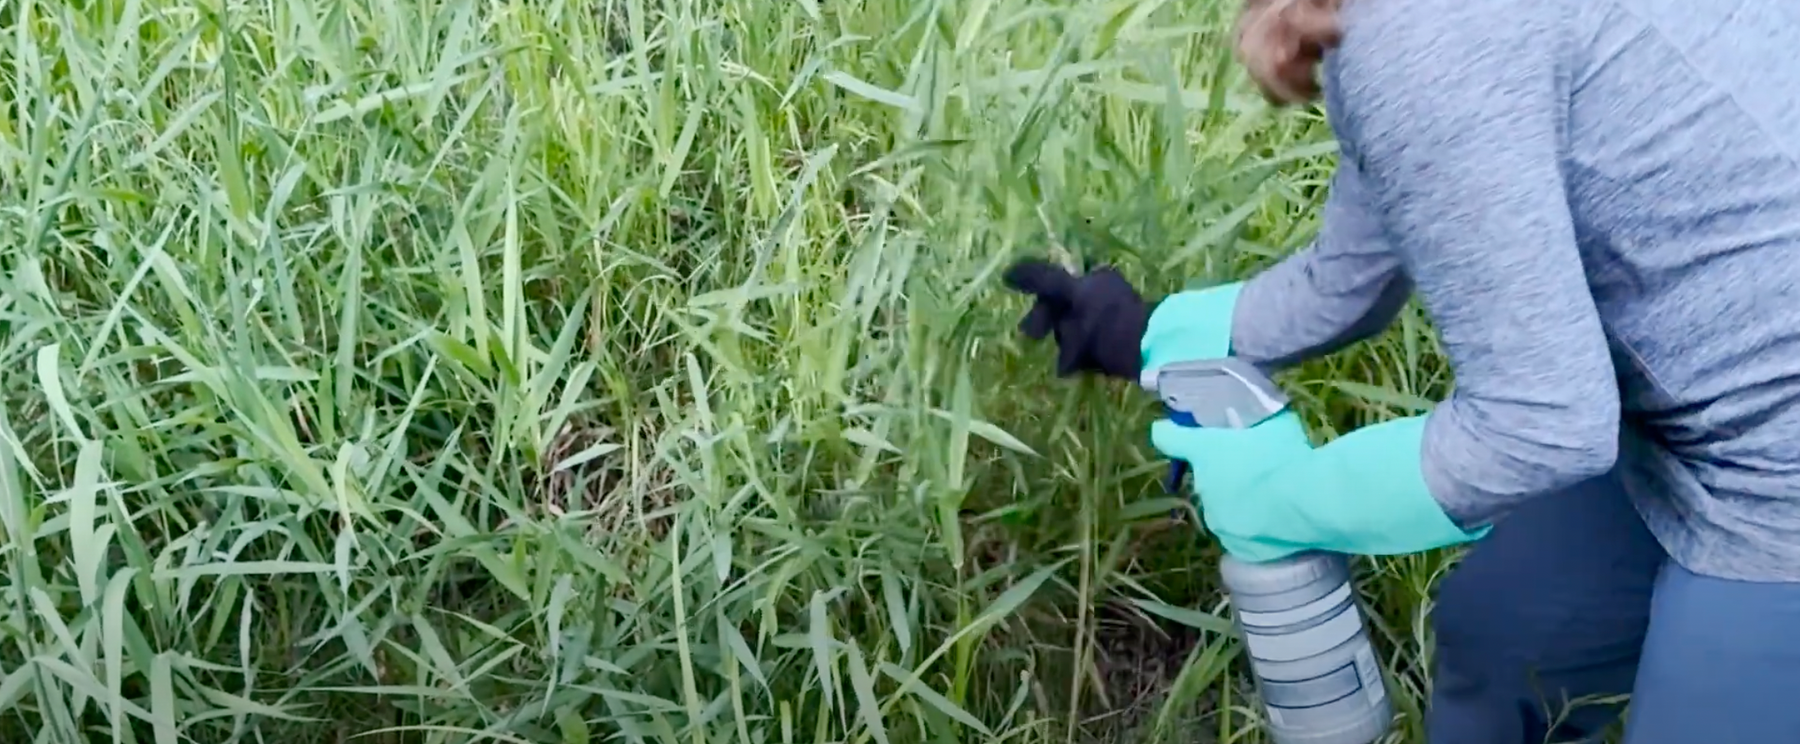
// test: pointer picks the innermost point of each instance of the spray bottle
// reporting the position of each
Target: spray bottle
(1302, 627)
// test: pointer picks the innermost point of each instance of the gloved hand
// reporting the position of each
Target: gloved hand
(1268, 496)
(1191, 325)
(1098, 319)
(1265, 491)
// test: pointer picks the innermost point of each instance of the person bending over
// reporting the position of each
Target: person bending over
(1598, 204)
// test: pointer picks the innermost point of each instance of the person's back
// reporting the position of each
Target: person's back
(1597, 202)
(1683, 173)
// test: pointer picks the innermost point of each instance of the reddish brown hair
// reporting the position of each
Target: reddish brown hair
(1281, 42)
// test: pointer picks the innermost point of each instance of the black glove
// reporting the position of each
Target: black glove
(1098, 319)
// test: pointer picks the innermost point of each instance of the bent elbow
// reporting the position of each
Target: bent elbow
(1581, 438)
(1488, 457)
(1563, 445)
(1592, 451)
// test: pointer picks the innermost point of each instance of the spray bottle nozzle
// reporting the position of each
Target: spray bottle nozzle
(1224, 393)
(1215, 393)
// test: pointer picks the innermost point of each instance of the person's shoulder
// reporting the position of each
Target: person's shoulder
(1419, 36)
(1415, 81)
(1391, 48)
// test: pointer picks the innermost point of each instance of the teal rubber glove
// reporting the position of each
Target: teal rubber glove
(1190, 325)
(1267, 496)
(1265, 492)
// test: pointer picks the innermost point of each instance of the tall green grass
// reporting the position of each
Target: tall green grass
(566, 371)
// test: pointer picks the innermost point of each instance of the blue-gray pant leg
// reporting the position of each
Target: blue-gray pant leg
(1721, 663)
(1551, 607)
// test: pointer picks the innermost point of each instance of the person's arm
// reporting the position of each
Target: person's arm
(1345, 287)
(1456, 111)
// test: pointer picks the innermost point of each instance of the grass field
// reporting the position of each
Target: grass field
(570, 370)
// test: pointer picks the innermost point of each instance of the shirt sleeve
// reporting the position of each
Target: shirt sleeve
(1456, 112)
(1345, 287)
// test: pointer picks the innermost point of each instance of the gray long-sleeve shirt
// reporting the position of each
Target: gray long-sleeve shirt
(1598, 203)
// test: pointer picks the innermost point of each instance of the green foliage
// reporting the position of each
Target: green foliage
(550, 371)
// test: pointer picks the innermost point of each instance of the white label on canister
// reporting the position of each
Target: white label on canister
(1371, 676)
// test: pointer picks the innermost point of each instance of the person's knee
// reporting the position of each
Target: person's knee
(1533, 682)
(1543, 621)
(1495, 679)
(1564, 582)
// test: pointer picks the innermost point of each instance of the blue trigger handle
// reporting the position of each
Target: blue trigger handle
(1226, 392)
(1178, 470)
